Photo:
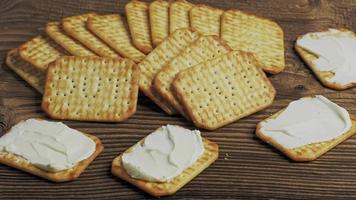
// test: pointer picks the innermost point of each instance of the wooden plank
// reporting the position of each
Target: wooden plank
(247, 168)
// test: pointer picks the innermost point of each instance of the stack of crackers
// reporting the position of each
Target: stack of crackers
(202, 62)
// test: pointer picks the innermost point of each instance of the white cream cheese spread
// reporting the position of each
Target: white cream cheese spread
(164, 154)
(306, 121)
(51, 146)
(336, 51)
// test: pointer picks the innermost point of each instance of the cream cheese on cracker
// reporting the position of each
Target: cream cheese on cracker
(336, 52)
(306, 121)
(163, 154)
(50, 146)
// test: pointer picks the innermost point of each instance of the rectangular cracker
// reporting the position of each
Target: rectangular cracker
(40, 51)
(307, 152)
(91, 89)
(211, 153)
(263, 37)
(223, 90)
(61, 176)
(111, 29)
(139, 25)
(55, 32)
(323, 76)
(33, 76)
(203, 49)
(159, 21)
(205, 19)
(75, 26)
(179, 15)
(158, 58)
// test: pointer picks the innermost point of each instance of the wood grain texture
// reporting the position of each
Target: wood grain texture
(246, 169)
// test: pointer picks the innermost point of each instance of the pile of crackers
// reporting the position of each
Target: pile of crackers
(202, 62)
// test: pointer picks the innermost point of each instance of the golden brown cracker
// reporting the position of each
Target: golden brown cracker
(111, 29)
(160, 57)
(33, 76)
(139, 25)
(75, 26)
(307, 152)
(179, 15)
(323, 76)
(223, 90)
(40, 51)
(205, 19)
(61, 176)
(257, 35)
(91, 89)
(203, 49)
(159, 20)
(55, 32)
(211, 153)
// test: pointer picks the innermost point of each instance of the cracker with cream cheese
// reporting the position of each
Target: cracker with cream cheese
(307, 152)
(323, 76)
(211, 153)
(61, 176)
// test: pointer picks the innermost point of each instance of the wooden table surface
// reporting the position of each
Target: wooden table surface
(246, 168)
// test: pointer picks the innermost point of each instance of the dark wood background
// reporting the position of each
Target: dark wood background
(246, 168)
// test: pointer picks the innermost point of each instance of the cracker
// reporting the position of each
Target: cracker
(40, 51)
(179, 15)
(323, 76)
(158, 13)
(307, 152)
(220, 91)
(111, 29)
(205, 19)
(55, 32)
(61, 176)
(33, 76)
(257, 35)
(139, 25)
(205, 48)
(91, 89)
(211, 153)
(160, 57)
(75, 26)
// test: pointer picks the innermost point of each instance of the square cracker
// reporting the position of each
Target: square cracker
(179, 15)
(33, 76)
(139, 25)
(91, 89)
(307, 152)
(61, 176)
(257, 35)
(323, 76)
(159, 21)
(55, 32)
(75, 26)
(160, 57)
(205, 19)
(220, 91)
(203, 49)
(111, 29)
(211, 153)
(40, 51)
